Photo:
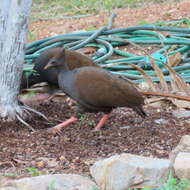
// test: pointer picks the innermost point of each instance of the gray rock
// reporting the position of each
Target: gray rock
(121, 171)
(9, 188)
(51, 182)
(183, 146)
(161, 121)
(182, 165)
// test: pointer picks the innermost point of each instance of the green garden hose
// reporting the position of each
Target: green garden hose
(109, 41)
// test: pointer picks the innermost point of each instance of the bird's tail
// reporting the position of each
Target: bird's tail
(140, 111)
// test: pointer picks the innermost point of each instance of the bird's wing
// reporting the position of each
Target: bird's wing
(101, 88)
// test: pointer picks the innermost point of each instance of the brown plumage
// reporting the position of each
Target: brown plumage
(96, 90)
(75, 60)
(99, 90)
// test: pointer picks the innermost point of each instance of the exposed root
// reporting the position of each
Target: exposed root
(24, 122)
(19, 111)
(27, 108)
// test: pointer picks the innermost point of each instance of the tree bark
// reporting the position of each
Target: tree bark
(14, 17)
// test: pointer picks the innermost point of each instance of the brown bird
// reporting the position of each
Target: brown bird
(75, 60)
(95, 90)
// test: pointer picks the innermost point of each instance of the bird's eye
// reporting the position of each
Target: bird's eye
(53, 62)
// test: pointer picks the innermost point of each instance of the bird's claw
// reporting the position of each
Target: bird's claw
(55, 131)
(95, 129)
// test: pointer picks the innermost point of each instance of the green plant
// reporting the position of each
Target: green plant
(81, 116)
(51, 185)
(95, 187)
(172, 184)
(91, 122)
(31, 94)
(31, 36)
(48, 9)
(186, 22)
(142, 22)
(9, 175)
(35, 171)
(90, 28)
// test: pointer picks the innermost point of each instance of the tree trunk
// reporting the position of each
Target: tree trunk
(14, 17)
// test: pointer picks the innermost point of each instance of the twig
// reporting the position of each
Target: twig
(186, 98)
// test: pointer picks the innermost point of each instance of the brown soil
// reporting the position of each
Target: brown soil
(78, 147)
(149, 13)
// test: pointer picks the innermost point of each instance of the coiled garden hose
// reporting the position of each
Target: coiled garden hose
(109, 42)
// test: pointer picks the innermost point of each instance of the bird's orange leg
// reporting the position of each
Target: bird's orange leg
(102, 122)
(57, 128)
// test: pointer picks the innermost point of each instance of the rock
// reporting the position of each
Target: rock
(182, 165)
(121, 171)
(8, 188)
(183, 146)
(53, 182)
(161, 121)
(181, 113)
(125, 127)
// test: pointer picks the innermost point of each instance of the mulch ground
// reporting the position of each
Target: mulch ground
(79, 146)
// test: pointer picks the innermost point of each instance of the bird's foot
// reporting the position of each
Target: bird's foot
(57, 129)
(96, 129)
(101, 122)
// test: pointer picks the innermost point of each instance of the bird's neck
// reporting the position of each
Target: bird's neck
(63, 68)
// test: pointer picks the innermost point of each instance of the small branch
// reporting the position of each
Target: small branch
(186, 98)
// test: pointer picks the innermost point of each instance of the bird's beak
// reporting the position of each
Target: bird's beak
(49, 65)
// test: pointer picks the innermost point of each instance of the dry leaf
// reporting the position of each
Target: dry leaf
(40, 164)
(87, 50)
(175, 59)
(159, 74)
(181, 84)
(62, 158)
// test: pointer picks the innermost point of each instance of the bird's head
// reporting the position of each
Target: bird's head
(58, 61)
